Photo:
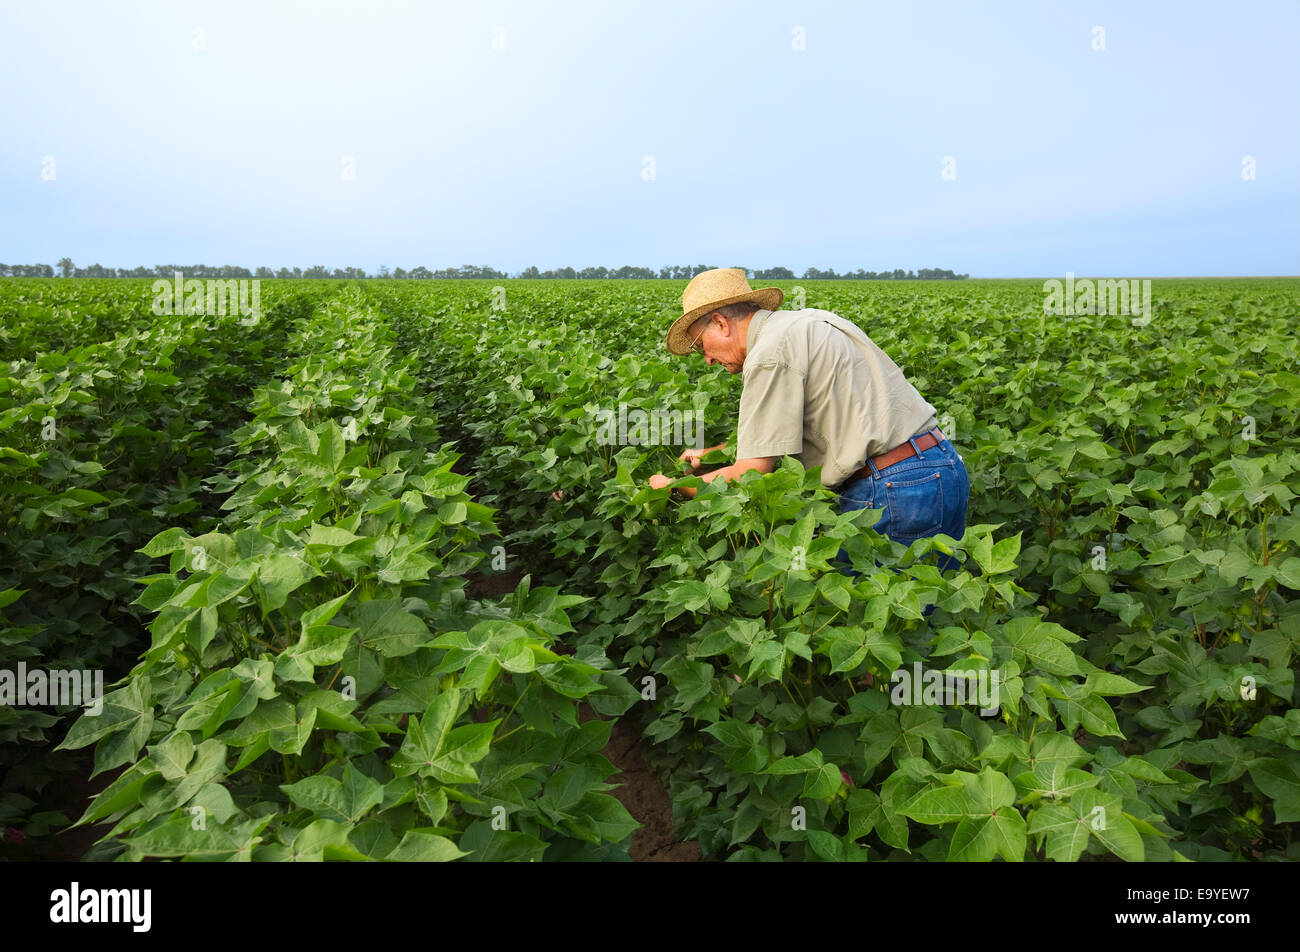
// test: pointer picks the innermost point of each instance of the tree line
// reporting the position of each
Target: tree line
(66, 269)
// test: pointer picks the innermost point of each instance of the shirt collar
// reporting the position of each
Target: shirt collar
(755, 328)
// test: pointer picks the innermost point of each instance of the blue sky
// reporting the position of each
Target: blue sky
(216, 133)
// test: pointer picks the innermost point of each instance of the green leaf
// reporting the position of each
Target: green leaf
(332, 446)
(1090, 711)
(796, 765)
(827, 846)
(1116, 833)
(217, 841)
(1039, 644)
(1288, 573)
(173, 755)
(322, 795)
(386, 627)
(1106, 683)
(1067, 833)
(1279, 781)
(939, 805)
(122, 727)
(463, 747)
(822, 782)
(1054, 780)
(278, 576)
(978, 839)
(420, 847)
(609, 817)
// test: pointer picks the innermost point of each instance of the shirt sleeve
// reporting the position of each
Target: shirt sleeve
(771, 412)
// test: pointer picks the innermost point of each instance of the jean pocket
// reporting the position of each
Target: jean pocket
(859, 495)
(915, 506)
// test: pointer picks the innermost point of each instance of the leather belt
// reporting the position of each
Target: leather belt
(900, 452)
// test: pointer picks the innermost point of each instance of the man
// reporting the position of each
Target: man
(819, 389)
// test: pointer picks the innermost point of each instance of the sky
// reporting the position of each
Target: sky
(999, 139)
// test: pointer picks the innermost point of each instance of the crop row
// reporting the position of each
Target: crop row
(103, 445)
(318, 683)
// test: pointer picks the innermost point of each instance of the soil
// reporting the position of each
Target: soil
(74, 844)
(644, 797)
(493, 584)
(72, 798)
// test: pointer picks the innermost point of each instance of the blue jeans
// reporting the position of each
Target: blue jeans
(922, 496)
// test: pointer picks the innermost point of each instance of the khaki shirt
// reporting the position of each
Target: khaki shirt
(819, 389)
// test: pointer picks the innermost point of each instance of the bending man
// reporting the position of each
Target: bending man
(819, 389)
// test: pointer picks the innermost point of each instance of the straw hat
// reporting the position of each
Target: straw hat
(709, 290)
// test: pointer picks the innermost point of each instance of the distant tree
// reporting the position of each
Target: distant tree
(67, 269)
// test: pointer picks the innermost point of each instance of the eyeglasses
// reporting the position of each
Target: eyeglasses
(695, 344)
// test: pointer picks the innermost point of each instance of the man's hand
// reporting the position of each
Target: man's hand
(660, 481)
(692, 457)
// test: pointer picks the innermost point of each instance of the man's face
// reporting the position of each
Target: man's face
(724, 343)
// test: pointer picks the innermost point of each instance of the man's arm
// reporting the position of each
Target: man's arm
(764, 464)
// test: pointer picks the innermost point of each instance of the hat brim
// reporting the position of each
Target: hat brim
(679, 341)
